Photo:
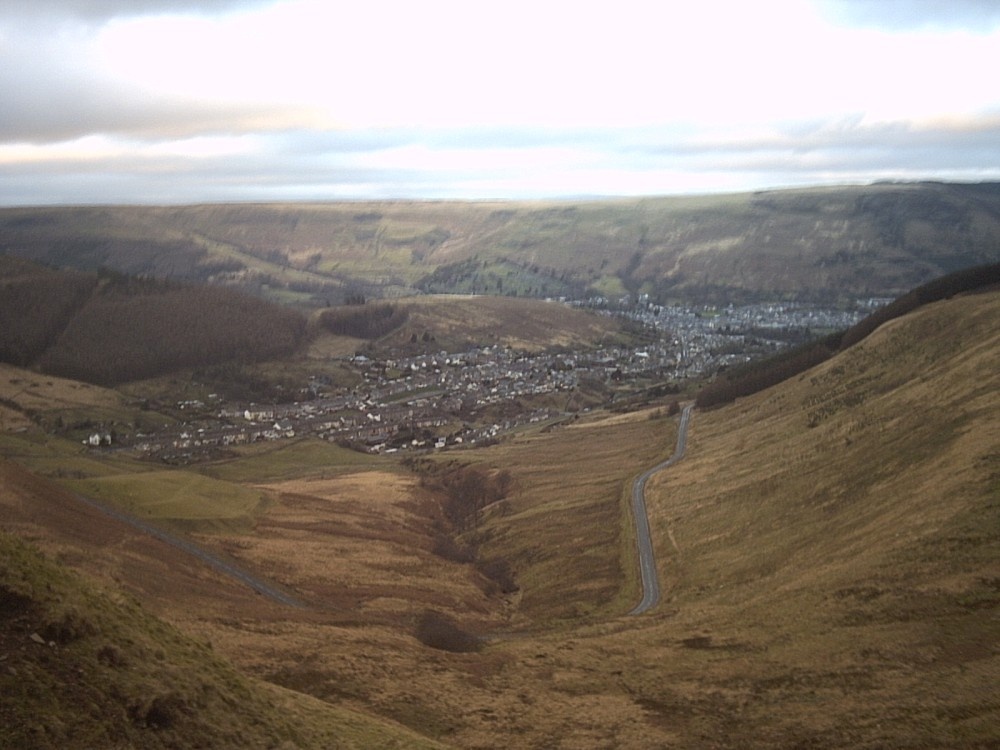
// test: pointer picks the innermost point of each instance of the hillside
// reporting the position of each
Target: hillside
(86, 667)
(455, 323)
(832, 544)
(109, 328)
(828, 547)
(810, 244)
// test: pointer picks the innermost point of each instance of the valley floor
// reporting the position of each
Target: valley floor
(829, 551)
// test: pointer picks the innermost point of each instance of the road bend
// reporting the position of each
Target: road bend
(644, 542)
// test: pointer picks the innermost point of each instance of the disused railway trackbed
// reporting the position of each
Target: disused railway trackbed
(226, 568)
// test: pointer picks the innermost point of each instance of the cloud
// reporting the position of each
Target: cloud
(160, 101)
(98, 11)
(905, 15)
(403, 163)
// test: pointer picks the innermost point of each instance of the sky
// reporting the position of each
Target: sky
(178, 101)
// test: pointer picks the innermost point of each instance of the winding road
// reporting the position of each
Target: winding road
(644, 542)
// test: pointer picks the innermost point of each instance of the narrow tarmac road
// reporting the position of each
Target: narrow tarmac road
(644, 542)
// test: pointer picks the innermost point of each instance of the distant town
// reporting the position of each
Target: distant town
(468, 398)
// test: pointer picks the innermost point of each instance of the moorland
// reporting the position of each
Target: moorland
(827, 549)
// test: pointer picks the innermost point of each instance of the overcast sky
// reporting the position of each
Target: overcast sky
(162, 101)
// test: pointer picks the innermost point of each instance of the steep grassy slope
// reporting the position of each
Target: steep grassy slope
(833, 544)
(819, 243)
(83, 667)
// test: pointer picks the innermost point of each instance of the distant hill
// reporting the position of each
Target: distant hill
(109, 328)
(813, 244)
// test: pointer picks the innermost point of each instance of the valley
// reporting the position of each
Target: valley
(441, 399)
(446, 512)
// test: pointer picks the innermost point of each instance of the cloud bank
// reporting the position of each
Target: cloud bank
(181, 102)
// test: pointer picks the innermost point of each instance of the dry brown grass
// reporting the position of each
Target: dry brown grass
(529, 324)
(33, 392)
(845, 573)
(833, 585)
(359, 543)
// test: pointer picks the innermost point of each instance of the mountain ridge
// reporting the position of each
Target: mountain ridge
(811, 244)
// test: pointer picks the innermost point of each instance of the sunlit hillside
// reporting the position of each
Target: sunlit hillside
(832, 546)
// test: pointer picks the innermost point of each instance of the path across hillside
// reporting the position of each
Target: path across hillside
(229, 569)
(644, 542)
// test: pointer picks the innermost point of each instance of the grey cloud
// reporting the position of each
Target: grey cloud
(296, 166)
(47, 98)
(313, 143)
(840, 154)
(99, 11)
(311, 165)
(70, 114)
(847, 134)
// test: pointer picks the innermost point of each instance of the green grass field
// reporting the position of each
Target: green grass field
(180, 499)
(302, 458)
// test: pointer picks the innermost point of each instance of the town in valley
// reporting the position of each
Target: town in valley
(440, 399)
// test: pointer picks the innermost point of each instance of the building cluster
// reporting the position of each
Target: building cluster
(433, 401)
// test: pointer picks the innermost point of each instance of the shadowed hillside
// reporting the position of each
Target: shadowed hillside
(110, 328)
(810, 244)
(123, 333)
(35, 305)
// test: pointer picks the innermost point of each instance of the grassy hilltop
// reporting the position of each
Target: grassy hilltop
(829, 549)
(800, 244)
